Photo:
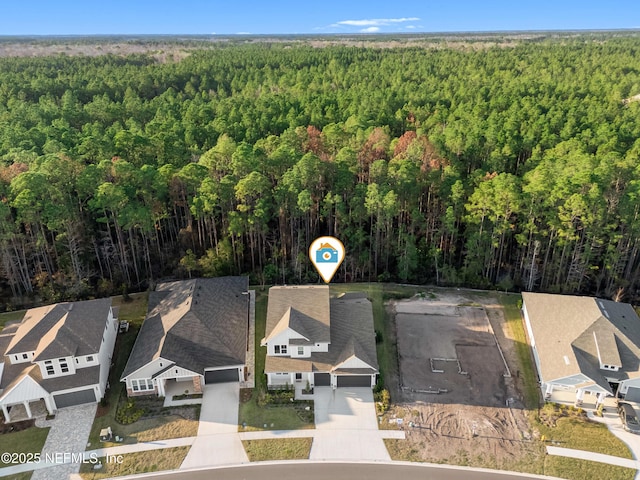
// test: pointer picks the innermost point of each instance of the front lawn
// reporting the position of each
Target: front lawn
(278, 449)
(258, 414)
(135, 463)
(30, 440)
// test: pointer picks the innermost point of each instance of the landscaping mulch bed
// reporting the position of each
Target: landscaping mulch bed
(16, 426)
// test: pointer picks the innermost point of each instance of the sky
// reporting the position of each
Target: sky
(92, 17)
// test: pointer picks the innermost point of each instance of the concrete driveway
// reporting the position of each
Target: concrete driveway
(346, 426)
(218, 442)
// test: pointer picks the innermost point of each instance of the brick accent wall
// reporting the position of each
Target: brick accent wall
(131, 393)
(197, 384)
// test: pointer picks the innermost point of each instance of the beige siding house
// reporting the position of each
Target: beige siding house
(585, 349)
(317, 340)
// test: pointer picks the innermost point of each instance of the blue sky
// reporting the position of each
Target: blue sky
(60, 17)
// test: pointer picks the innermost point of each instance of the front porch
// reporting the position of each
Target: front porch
(588, 401)
(25, 411)
(172, 388)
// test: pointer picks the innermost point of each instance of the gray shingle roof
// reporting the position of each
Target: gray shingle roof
(62, 329)
(352, 334)
(304, 309)
(569, 330)
(196, 324)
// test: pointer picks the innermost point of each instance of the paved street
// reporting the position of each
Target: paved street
(344, 471)
(218, 442)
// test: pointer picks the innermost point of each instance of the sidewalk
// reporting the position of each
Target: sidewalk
(594, 457)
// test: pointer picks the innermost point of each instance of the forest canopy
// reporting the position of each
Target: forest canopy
(512, 166)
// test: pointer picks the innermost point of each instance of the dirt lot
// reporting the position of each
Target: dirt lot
(455, 384)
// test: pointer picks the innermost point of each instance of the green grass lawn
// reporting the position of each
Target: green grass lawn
(30, 440)
(10, 317)
(275, 417)
(511, 310)
(278, 449)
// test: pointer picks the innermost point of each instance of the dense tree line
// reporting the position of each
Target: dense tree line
(513, 167)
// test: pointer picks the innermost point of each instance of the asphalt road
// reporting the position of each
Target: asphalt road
(336, 471)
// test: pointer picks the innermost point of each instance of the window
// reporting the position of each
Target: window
(25, 356)
(64, 366)
(280, 349)
(300, 350)
(142, 384)
(90, 358)
(48, 364)
(15, 357)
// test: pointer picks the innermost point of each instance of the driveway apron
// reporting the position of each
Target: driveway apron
(218, 442)
(346, 426)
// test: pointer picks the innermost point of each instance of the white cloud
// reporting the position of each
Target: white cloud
(410, 26)
(370, 30)
(243, 33)
(375, 21)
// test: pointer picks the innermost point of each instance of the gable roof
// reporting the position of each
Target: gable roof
(573, 334)
(304, 309)
(352, 335)
(61, 330)
(196, 324)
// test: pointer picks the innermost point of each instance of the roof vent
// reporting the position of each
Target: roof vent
(70, 307)
(566, 360)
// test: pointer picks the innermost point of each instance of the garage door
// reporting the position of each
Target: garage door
(322, 379)
(221, 376)
(633, 394)
(354, 381)
(75, 398)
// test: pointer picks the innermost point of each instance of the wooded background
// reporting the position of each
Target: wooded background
(513, 166)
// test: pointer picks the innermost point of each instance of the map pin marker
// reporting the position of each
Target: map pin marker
(326, 254)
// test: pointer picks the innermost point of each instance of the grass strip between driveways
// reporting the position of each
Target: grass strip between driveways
(278, 449)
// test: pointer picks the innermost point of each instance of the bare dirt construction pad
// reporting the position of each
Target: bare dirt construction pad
(456, 385)
(449, 349)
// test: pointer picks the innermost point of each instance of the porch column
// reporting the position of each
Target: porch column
(601, 396)
(549, 389)
(5, 411)
(47, 403)
(26, 407)
(160, 383)
(579, 395)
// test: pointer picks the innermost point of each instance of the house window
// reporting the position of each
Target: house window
(25, 356)
(90, 358)
(280, 349)
(64, 367)
(48, 364)
(141, 384)
(77, 360)
(300, 350)
(15, 357)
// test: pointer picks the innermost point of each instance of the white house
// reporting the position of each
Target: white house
(59, 354)
(324, 341)
(195, 333)
(584, 348)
